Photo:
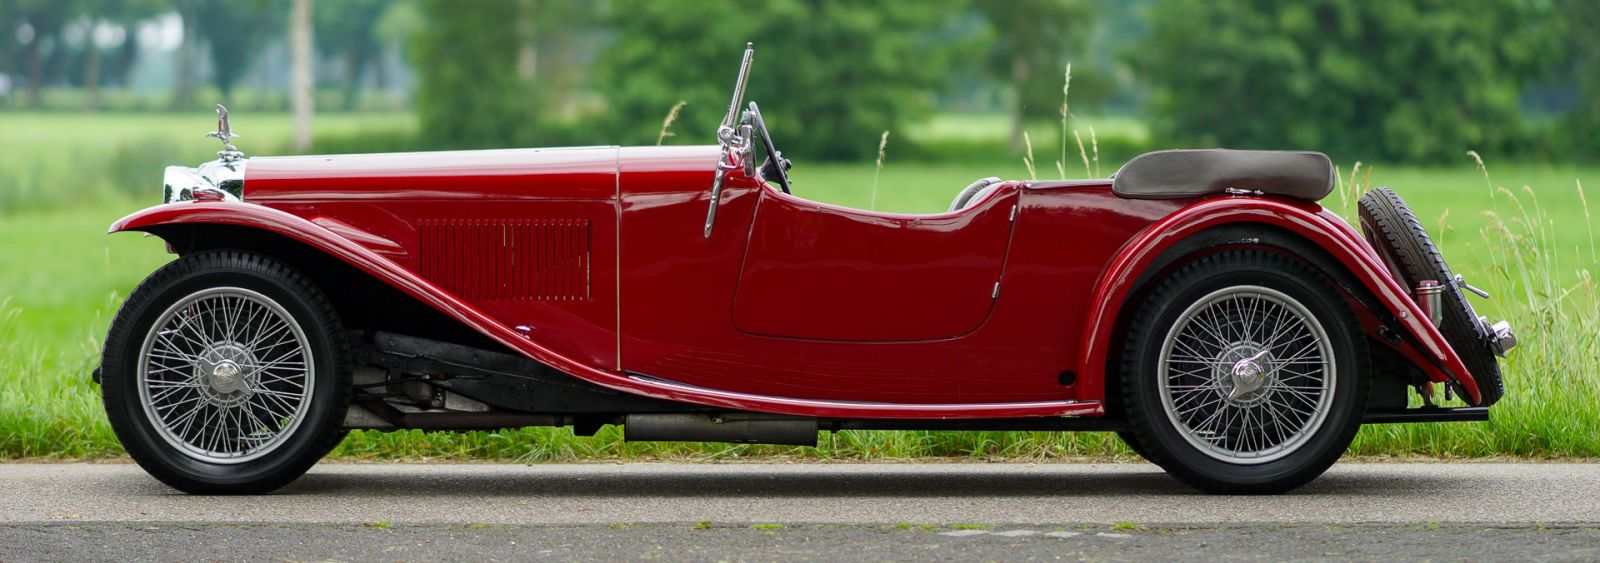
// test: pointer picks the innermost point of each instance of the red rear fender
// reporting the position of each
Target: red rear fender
(1309, 221)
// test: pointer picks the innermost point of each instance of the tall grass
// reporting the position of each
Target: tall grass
(877, 171)
(1552, 402)
(666, 124)
(1066, 115)
(45, 416)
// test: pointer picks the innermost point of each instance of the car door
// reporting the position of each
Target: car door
(824, 273)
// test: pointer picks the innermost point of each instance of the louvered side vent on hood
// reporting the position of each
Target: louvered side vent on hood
(524, 259)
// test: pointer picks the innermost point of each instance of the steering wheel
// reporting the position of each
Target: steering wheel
(776, 167)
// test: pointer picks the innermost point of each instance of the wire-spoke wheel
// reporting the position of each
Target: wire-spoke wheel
(226, 375)
(225, 372)
(1242, 373)
(1245, 374)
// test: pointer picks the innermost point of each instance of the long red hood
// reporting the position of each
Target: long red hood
(583, 173)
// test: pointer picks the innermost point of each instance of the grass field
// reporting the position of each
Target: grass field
(1525, 235)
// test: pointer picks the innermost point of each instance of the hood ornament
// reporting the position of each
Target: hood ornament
(225, 134)
(218, 180)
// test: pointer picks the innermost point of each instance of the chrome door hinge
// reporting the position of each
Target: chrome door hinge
(1013, 213)
(996, 293)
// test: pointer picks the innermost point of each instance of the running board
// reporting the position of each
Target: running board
(1427, 414)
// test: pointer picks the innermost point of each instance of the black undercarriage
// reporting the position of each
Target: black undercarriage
(408, 382)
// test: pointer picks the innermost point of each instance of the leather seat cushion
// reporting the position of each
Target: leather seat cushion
(1184, 173)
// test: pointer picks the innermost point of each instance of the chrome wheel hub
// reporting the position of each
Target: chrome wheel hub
(1246, 374)
(218, 368)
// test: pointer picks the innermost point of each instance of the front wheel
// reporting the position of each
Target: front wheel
(1243, 373)
(226, 373)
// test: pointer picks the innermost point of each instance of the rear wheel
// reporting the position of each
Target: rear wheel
(1243, 373)
(226, 372)
(1132, 441)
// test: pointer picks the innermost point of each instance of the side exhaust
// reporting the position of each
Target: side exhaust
(738, 428)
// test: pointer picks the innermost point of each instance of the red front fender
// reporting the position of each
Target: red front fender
(325, 240)
(1310, 221)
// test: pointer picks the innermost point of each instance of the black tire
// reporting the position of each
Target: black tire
(1132, 441)
(1405, 246)
(302, 438)
(1196, 456)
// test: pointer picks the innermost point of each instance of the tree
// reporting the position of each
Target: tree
(1578, 130)
(1032, 40)
(830, 75)
(302, 86)
(396, 28)
(121, 14)
(347, 30)
(8, 46)
(45, 18)
(235, 32)
(182, 67)
(1408, 80)
(468, 91)
(553, 35)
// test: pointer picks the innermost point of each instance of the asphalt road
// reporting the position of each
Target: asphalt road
(804, 511)
(301, 542)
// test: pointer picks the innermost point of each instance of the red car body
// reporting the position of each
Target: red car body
(1200, 303)
(593, 261)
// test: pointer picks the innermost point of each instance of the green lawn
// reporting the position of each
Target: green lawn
(61, 278)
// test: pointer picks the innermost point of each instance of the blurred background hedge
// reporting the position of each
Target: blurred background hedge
(1405, 81)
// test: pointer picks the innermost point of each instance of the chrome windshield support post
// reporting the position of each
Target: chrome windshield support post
(735, 140)
(723, 166)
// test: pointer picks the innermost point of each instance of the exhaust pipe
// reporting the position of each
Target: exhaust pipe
(737, 428)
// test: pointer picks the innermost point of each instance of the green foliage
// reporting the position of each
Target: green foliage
(347, 29)
(1032, 39)
(1400, 80)
(830, 75)
(46, 17)
(134, 163)
(235, 32)
(469, 93)
(1574, 136)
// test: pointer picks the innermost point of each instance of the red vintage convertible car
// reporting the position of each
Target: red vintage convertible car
(1199, 303)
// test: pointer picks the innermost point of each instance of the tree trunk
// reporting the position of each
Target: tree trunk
(91, 71)
(127, 54)
(528, 52)
(35, 72)
(183, 73)
(1019, 80)
(380, 70)
(355, 65)
(8, 62)
(301, 89)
